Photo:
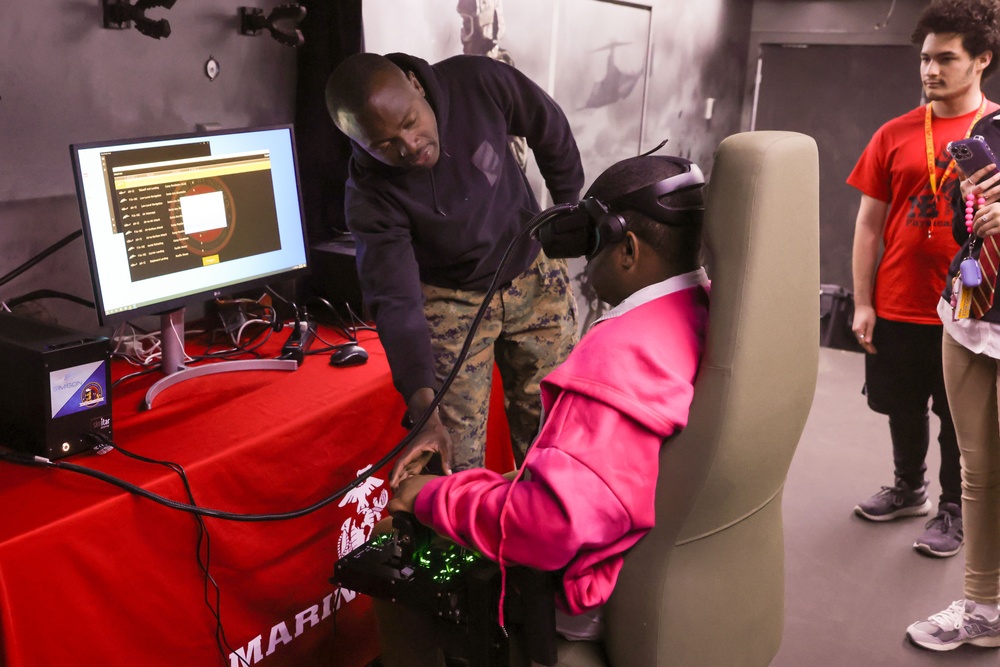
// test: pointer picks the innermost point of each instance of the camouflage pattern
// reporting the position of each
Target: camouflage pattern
(528, 330)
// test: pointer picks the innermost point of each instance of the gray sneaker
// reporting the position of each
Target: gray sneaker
(955, 626)
(943, 537)
(894, 502)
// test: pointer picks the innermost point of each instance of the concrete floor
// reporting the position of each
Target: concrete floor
(852, 586)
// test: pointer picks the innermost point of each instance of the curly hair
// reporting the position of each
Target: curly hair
(976, 21)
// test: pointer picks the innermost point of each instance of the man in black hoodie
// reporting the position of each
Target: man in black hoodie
(434, 198)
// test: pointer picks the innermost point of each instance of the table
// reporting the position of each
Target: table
(89, 570)
(91, 574)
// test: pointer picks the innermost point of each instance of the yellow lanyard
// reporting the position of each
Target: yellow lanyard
(929, 141)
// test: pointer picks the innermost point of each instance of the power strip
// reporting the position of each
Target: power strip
(298, 342)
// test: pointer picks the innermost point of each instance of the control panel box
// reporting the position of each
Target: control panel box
(57, 387)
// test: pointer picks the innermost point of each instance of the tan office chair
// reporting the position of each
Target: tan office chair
(705, 587)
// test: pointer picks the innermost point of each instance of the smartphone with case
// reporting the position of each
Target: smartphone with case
(971, 154)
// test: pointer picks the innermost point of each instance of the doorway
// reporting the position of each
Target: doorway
(840, 95)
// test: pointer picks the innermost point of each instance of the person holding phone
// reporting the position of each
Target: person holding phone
(971, 361)
(972, 154)
(909, 186)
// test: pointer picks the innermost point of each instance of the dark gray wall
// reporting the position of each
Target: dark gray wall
(65, 79)
(841, 100)
(841, 114)
(835, 22)
(826, 22)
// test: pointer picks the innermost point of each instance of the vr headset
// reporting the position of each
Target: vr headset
(583, 230)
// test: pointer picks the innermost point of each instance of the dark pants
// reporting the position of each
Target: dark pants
(900, 379)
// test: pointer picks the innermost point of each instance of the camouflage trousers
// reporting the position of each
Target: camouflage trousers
(529, 329)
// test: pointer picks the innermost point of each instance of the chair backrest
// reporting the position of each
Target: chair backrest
(706, 586)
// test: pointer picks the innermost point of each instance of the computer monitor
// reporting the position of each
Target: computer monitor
(173, 221)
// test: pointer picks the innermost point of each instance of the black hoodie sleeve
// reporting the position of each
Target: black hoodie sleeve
(532, 114)
(390, 281)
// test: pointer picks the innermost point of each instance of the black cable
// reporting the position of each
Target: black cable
(274, 293)
(328, 346)
(25, 459)
(299, 314)
(221, 641)
(359, 323)
(38, 461)
(250, 348)
(48, 294)
(40, 256)
(350, 332)
(533, 224)
(145, 371)
(269, 318)
(119, 337)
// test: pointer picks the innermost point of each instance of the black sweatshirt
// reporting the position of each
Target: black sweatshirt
(449, 226)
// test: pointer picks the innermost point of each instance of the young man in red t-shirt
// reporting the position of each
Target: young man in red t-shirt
(908, 187)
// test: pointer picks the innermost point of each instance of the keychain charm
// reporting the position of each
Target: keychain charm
(970, 272)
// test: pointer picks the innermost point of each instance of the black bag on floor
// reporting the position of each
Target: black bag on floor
(836, 315)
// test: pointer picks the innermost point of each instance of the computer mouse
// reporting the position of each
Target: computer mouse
(349, 355)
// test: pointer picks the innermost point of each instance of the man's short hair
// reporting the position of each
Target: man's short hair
(678, 245)
(976, 21)
(350, 84)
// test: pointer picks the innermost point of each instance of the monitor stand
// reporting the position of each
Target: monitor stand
(172, 359)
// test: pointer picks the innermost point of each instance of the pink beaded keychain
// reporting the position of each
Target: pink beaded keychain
(970, 209)
(970, 271)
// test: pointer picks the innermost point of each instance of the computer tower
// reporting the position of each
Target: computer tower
(58, 387)
(333, 276)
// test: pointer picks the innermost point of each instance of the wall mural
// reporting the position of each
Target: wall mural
(601, 87)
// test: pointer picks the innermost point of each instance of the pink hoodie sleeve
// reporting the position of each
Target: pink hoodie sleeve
(583, 495)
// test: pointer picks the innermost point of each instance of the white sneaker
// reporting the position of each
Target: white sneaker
(958, 624)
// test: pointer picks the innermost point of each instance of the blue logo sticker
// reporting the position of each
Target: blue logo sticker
(78, 388)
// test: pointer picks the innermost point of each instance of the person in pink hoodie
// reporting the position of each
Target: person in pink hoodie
(585, 493)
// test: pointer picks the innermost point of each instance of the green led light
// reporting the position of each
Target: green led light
(445, 561)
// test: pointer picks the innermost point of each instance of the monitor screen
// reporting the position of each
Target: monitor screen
(173, 221)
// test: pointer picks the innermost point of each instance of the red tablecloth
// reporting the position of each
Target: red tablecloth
(93, 575)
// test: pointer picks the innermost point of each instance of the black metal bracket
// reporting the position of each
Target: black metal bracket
(119, 15)
(282, 23)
